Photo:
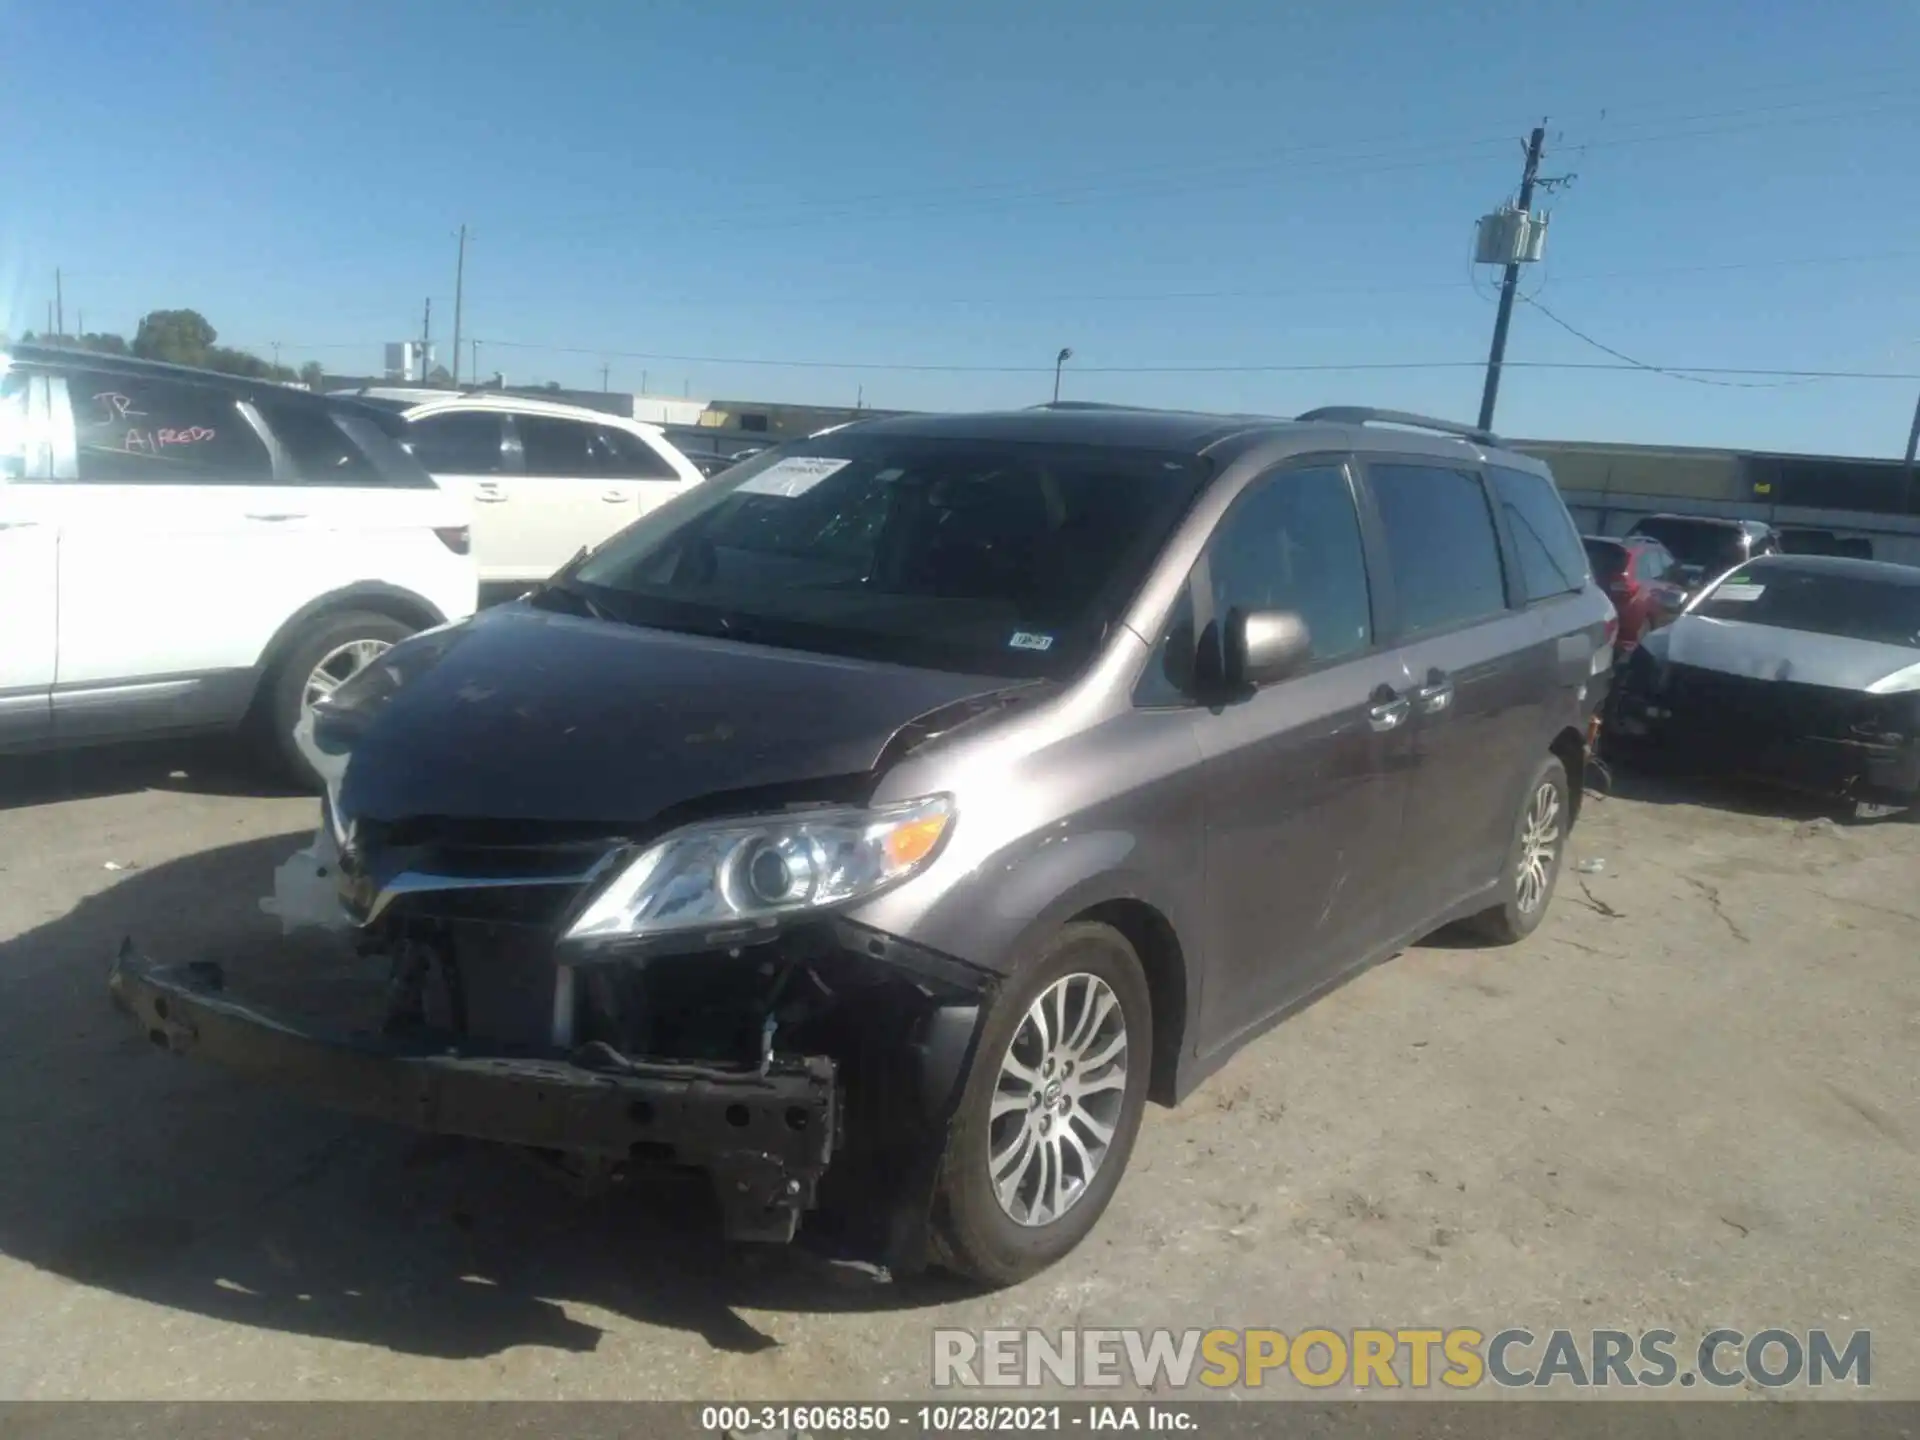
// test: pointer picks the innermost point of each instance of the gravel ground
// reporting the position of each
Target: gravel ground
(1692, 1099)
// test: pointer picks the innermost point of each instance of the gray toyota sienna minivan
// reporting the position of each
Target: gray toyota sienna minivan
(879, 826)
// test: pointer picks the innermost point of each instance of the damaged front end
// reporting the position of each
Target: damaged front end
(1852, 744)
(805, 1063)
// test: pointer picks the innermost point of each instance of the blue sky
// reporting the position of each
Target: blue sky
(974, 186)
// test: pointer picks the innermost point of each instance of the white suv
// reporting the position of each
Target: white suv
(544, 479)
(184, 551)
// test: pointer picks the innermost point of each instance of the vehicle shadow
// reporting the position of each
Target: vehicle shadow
(1658, 784)
(219, 765)
(161, 1179)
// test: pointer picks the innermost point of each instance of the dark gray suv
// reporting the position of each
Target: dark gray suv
(879, 826)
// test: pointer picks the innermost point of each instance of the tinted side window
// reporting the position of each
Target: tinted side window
(320, 450)
(1552, 561)
(1292, 542)
(1441, 544)
(1607, 559)
(132, 430)
(1652, 564)
(559, 448)
(463, 442)
(633, 458)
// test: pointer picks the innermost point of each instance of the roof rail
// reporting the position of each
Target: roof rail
(1367, 415)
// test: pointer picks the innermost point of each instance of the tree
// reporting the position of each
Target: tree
(181, 337)
(312, 376)
(102, 343)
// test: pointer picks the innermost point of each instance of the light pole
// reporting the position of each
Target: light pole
(1065, 355)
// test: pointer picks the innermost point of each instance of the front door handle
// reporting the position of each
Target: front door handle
(615, 497)
(1386, 710)
(490, 495)
(276, 516)
(1436, 695)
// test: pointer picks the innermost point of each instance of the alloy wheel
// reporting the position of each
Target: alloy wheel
(340, 665)
(1539, 843)
(1057, 1100)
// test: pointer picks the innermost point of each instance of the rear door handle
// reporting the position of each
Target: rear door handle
(615, 497)
(19, 524)
(490, 495)
(1387, 710)
(1436, 695)
(287, 516)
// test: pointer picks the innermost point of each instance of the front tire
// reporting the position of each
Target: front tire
(1051, 1109)
(1534, 857)
(330, 651)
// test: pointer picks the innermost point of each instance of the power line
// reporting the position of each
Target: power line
(908, 368)
(1699, 379)
(1132, 297)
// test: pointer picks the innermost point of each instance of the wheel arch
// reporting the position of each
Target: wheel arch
(1115, 898)
(1570, 748)
(393, 601)
(1154, 940)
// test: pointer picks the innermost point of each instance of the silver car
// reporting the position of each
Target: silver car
(880, 825)
(1801, 669)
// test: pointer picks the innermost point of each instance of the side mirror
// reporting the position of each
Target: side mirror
(1265, 646)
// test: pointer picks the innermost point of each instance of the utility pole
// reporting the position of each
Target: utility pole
(1509, 285)
(603, 377)
(59, 307)
(276, 359)
(426, 338)
(459, 283)
(473, 375)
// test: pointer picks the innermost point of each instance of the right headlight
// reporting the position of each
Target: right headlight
(748, 872)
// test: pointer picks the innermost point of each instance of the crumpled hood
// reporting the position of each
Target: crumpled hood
(1768, 652)
(520, 714)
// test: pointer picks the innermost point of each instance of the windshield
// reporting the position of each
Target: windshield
(1711, 547)
(1822, 602)
(985, 557)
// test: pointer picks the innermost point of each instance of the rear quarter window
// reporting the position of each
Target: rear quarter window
(1552, 559)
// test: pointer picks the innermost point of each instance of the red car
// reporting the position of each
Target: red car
(1640, 575)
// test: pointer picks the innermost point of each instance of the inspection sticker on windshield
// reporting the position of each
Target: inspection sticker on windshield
(1740, 590)
(795, 475)
(1022, 640)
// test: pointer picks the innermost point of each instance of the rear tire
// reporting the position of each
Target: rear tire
(1534, 857)
(1038, 1138)
(334, 647)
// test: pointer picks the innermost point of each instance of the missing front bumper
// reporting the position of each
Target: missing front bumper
(765, 1139)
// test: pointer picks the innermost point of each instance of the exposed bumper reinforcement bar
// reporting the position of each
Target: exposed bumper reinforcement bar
(766, 1140)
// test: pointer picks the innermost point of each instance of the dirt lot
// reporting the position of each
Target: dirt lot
(1692, 1099)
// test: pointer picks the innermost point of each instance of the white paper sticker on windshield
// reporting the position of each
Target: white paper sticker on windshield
(1739, 590)
(1025, 640)
(795, 475)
